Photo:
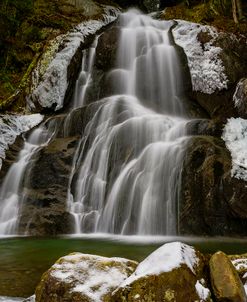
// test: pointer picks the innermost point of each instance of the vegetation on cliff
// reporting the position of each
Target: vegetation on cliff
(27, 26)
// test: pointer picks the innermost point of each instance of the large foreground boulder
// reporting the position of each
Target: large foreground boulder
(85, 278)
(174, 272)
(226, 283)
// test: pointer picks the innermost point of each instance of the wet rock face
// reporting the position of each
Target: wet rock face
(225, 281)
(240, 98)
(81, 277)
(44, 211)
(212, 202)
(106, 50)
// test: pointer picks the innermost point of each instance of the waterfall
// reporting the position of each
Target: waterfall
(125, 173)
(11, 193)
(127, 166)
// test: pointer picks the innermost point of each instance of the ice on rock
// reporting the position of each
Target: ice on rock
(235, 137)
(49, 89)
(206, 67)
(164, 259)
(13, 125)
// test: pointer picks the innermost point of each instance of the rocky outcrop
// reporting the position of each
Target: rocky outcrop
(54, 77)
(234, 61)
(226, 283)
(212, 201)
(81, 277)
(217, 62)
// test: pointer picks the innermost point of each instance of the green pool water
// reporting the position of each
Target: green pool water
(23, 260)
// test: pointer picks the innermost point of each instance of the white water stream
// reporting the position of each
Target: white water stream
(127, 180)
(11, 192)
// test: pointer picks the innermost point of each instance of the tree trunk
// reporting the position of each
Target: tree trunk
(234, 11)
(239, 9)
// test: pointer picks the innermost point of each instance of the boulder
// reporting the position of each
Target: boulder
(85, 278)
(234, 62)
(212, 202)
(225, 281)
(174, 272)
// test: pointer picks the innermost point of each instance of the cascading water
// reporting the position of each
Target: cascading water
(126, 167)
(126, 171)
(84, 77)
(11, 193)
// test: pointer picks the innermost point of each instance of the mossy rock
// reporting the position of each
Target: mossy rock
(83, 278)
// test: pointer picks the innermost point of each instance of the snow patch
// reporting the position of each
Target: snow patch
(240, 264)
(91, 274)
(235, 137)
(245, 288)
(10, 299)
(168, 257)
(50, 86)
(202, 292)
(13, 125)
(206, 67)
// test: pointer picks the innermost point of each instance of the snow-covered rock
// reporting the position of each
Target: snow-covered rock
(235, 137)
(82, 277)
(206, 67)
(13, 125)
(50, 79)
(174, 271)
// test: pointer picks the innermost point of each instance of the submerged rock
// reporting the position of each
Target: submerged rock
(82, 277)
(174, 272)
(225, 281)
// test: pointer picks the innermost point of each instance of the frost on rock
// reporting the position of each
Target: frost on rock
(203, 292)
(13, 125)
(49, 79)
(93, 276)
(165, 259)
(235, 137)
(240, 264)
(206, 67)
(240, 95)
